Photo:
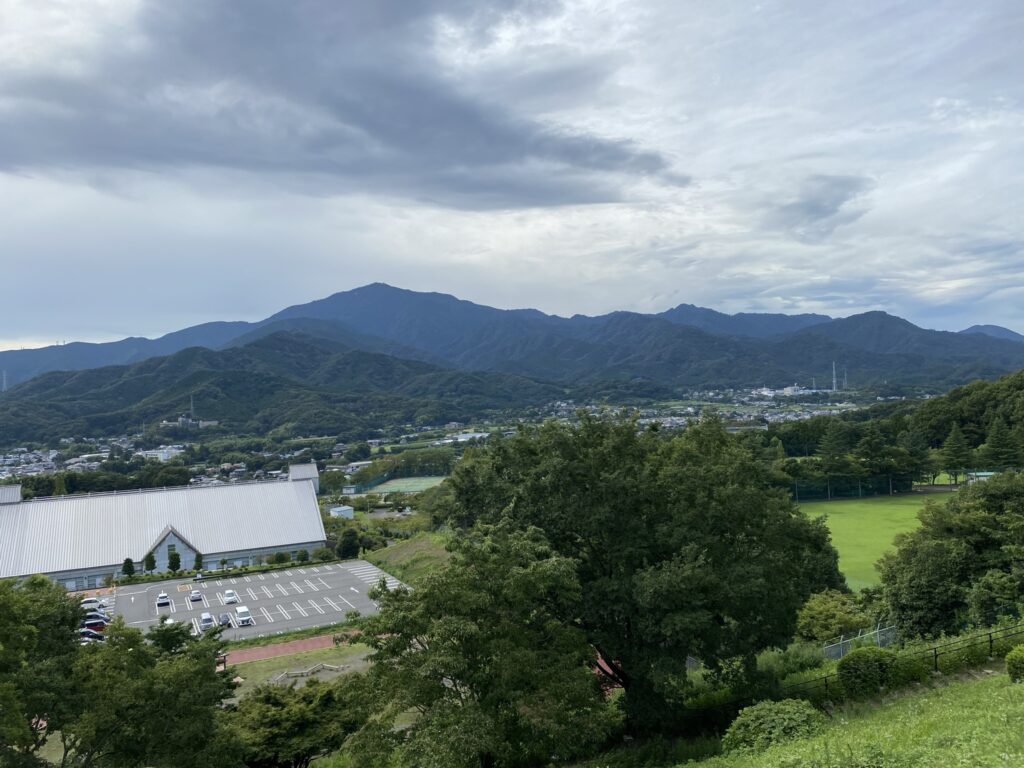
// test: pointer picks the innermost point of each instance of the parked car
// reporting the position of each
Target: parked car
(198, 576)
(224, 620)
(97, 616)
(162, 599)
(195, 595)
(97, 625)
(90, 634)
(206, 622)
(244, 617)
(92, 603)
(230, 596)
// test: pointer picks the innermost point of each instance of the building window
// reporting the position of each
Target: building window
(170, 548)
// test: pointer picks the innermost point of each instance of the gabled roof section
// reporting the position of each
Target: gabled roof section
(303, 471)
(167, 531)
(10, 494)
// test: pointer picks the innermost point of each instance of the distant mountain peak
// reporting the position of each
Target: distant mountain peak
(995, 331)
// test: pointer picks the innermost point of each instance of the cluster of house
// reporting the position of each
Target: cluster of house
(22, 462)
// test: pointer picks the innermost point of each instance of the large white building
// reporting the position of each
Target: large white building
(79, 540)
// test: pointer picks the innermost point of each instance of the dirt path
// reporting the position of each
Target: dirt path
(280, 649)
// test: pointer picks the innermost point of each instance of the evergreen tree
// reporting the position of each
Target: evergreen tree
(174, 562)
(1001, 450)
(832, 450)
(197, 564)
(149, 563)
(956, 453)
(128, 567)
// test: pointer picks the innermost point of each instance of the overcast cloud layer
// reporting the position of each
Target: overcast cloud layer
(166, 163)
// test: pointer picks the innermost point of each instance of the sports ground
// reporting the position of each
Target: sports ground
(408, 484)
(863, 529)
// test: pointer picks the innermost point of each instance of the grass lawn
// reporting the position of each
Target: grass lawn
(863, 529)
(411, 559)
(408, 484)
(975, 722)
(254, 673)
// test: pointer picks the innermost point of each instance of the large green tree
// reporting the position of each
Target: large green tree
(481, 652)
(833, 453)
(948, 567)
(1001, 449)
(682, 547)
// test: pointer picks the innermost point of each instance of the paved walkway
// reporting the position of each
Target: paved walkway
(280, 649)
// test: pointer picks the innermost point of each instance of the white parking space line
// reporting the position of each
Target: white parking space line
(283, 611)
(346, 602)
(218, 583)
(195, 625)
(232, 621)
(251, 593)
(354, 590)
(266, 613)
(313, 605)
(325, 584)
(220, 597)
(302, 572)
(316, 570)
(276, 575)
(173, 608)
(287, 573)
(333, 604)
(269, 593)
(300, 609)
(312, 586)
(283, 590)
(247, 578)
(297, 588)
(234, 581)
(206, 602)
(188, 602)
(328, 567)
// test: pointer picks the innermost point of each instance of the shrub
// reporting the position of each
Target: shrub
(1015, 664)
(908, 669)
(863, 671)
(302, 555)
(829, 614)
(772, 722)
(280, 557)
(323, 553)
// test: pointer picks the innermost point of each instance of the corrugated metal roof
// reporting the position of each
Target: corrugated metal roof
(10, 494)
(303, 471)
(77, 532)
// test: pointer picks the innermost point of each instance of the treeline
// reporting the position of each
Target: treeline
(418, 463)
(151, 474)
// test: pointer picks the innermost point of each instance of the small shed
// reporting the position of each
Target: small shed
(344, 511)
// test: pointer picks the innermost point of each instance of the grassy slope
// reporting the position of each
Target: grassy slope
(978, 723)
(411, 559)
(254, 673)
(863, 529)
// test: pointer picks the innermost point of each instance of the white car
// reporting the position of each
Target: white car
(230, 596)
(162, 599)
(195, 595)
(92, 604)
(244, 617)
(206, 621)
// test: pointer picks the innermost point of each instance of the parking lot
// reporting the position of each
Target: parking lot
(279, 601)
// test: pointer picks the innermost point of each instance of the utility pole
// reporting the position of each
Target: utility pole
(833, 375)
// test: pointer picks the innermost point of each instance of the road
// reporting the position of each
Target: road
(280, 601)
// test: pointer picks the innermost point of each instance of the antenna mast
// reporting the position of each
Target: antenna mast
(833, 375)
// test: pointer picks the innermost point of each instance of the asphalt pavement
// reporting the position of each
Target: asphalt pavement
(280, 601)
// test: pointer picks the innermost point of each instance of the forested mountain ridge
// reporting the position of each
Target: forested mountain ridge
(684, 346)
(285, 381)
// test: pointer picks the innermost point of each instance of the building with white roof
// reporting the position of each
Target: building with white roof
(79, 540)
(305, 472)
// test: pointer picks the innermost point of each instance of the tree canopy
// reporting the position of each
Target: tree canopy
(681, 546)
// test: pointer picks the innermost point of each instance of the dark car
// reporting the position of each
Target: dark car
(90, 634)
(224, 620)
(97, 615)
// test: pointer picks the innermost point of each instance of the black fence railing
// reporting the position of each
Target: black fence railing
(994, 642)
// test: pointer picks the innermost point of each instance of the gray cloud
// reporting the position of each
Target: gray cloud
(821, 205)
(349, 94)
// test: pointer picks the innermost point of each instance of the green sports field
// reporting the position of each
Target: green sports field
(407, 485)
(863, 529)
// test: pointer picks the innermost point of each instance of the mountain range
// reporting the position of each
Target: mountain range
(429, 353)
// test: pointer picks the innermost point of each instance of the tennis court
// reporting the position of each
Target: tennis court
(408, 484)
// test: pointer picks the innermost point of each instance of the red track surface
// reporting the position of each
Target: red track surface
(280, 649)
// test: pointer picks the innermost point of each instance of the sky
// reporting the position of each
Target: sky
(164, 164)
